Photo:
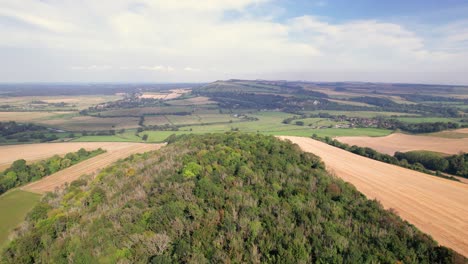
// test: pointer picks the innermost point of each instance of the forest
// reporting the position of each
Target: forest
(220, 198)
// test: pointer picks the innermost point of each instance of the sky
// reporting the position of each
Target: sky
(206, 40)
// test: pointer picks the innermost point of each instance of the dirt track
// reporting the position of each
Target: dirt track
(89, 166)
(402, 142)
(436, 206)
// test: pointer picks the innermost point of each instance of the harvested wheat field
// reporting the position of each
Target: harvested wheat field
(88, 166)
(437, 206)
(403, 143)
(34, 152)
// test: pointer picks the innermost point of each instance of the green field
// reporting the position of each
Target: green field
(363, 114)
(17, 203)
(269, 122)
(427, 119)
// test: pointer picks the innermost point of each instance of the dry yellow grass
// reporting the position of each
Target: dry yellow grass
(174, 93)
(437, 206)
(28, 116)
(89, 166)
(153, 95)
(200, 100)
(402, 142)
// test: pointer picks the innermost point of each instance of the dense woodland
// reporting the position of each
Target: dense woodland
(219, 198)
(453, 164)
(20, 173)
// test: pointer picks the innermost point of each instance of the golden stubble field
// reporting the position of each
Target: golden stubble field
(34, 152)
(89, 166)
(403, 143)
(436, 206)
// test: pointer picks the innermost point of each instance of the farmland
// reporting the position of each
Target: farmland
(89, 166)
(34, 152)
(403, 142)
(126, 119)
(434, 205)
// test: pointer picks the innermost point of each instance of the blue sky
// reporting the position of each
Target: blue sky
(205, 40)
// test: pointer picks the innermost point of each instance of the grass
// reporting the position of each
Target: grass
(17, 203)
(363, 114)
(427, 119)
(268, 123)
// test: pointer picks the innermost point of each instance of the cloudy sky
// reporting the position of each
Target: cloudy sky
(423, 41)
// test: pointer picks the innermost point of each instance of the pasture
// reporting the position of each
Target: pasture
(427, 119)
(14, 205)
(436, 206)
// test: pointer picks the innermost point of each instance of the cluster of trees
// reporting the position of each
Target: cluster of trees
(20, 172)
(454, 164)
(423, 161)
(382, 122)
(110, 132)
(430, 98)
(425, 127)
(11, 127)
(12, 131)
(385, 104)
(218, 198)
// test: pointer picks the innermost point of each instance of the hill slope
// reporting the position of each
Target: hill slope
(215, 198)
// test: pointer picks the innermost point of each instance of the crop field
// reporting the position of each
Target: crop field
(46, 102)
(91, 123)
(33, 152)
(403, 143)
(17, 203)
(200, 100)
(31, 116)
(156, 120)
(89, 166)
(457, 133)
(145, 111)
(434, 205)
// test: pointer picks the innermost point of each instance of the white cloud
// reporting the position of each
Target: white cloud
(92, 67)
(123, 38)
(190, 69)
(158, 68)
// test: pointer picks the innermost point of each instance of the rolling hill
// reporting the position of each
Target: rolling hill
(223, 198)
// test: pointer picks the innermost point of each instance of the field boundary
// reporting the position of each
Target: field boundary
(436, 206)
